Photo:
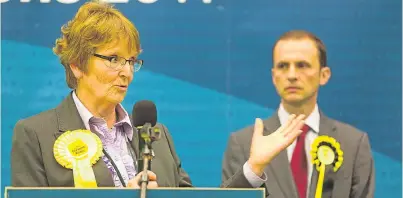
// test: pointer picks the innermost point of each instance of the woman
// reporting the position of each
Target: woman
(88, 139)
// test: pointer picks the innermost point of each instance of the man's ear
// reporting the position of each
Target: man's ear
(76, 71)
(325, 74)
(272, 76)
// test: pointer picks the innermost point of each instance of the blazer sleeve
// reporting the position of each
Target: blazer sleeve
(232, 166)
(184, 179)
(363, 181)
(27, 169)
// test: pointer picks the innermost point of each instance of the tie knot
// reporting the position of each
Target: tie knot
(304, 129)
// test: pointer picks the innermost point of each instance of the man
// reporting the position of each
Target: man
(299, 69)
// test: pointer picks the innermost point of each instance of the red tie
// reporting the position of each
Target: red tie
(299, 163)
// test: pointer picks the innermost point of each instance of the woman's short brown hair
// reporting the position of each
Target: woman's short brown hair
(96, 24)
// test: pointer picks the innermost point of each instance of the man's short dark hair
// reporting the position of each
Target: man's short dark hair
(302, 34)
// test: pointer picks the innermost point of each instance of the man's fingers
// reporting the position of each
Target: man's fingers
(296, 124)
(296, 131)
(285, 126)
(293, 135)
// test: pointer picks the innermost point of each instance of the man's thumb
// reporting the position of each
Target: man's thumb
(258, 130)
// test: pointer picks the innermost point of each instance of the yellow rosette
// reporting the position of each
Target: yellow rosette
(79, 150)
(325, 151)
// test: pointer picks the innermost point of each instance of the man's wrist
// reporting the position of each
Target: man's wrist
(256, 168)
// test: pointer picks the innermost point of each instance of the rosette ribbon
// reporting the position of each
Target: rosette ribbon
(79, 150)
(325, 151)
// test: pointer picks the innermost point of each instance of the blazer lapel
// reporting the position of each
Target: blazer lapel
(280, 165)
(326, 127)
(69, 119)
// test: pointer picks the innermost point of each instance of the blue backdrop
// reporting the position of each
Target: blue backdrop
(207, 68)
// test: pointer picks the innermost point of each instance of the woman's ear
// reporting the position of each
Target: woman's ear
(76, 71)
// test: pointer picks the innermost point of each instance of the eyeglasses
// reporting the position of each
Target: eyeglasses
(116, 62)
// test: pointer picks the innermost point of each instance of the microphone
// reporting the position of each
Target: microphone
(144, 119)
(144, 111)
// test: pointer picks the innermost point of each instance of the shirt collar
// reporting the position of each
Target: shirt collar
(86, 115)
(312, 120)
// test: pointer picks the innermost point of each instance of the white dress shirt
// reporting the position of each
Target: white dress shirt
(313, 122)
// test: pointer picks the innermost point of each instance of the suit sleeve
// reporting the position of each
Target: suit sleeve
(27, 169)
(184, 179)
(363, 181)
(234, 164)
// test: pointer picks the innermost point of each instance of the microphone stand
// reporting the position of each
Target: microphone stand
(147, 156)
(148, 135)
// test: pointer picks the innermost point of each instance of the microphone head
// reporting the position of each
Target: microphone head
(144, 111)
